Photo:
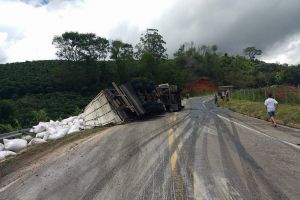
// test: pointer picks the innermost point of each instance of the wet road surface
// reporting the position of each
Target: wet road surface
(202, 152)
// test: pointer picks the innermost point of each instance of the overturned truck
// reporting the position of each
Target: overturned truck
(126, 102)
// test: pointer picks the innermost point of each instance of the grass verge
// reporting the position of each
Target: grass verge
(32, 153)
(288, 115)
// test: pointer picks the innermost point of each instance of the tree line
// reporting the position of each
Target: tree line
(74, 46)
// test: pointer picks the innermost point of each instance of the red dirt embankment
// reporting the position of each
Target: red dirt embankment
(202, 85)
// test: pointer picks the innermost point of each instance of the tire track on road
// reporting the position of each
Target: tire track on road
(126, 156)
(249, 166)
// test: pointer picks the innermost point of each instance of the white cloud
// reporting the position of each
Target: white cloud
(38, 25)
(3, 37)
(28, 26)
(286, 51)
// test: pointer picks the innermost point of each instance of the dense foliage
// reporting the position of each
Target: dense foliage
(74, 46)
(41, 90)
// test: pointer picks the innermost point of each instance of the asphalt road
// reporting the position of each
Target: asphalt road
(202, 152)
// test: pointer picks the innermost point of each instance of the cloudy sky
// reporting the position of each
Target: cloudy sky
(28, 26)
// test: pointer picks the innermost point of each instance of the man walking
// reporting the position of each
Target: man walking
(271, 104)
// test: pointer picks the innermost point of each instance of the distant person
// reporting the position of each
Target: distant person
(227, 95)
(223, 95)
(187, 95)
(216, 98)
(271, 104)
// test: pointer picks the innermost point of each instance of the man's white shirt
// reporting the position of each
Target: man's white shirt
(270, 103)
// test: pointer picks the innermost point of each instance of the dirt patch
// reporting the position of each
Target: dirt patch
(33, 157)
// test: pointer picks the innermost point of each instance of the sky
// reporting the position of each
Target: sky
(27, 27)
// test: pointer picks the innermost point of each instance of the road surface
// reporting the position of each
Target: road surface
(202, 152)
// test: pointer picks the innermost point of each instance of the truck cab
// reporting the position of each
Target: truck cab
(170, 96)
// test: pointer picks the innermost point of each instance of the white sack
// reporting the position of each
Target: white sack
(41, 134)
(52, 123)
(4, 154)
(81, 122)
(61, 132)
(66, 121)
(74, 128)
(42, 126)
(46, 136)
(36, 141)
(27, 138)
(51, 130)
(55, 124)
(14, 144)
(1, 147)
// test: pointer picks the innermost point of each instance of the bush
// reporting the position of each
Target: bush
(4, 128)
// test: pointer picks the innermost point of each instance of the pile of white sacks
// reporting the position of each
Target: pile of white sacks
(52, 130)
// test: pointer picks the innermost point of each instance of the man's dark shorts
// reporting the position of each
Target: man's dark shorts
(271, 114)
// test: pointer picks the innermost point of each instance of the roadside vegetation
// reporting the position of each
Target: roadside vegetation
(53, 89)
(286, 114)
(284, 94)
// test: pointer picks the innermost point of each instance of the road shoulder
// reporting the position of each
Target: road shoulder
(31, 158)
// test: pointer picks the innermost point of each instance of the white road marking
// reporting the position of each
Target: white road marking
(259, 132)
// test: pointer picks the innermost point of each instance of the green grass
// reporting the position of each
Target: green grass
(285, 114)
(283, 94)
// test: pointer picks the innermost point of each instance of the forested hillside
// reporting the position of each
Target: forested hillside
(41, 90)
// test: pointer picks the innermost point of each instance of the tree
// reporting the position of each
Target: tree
(202, 60)
(292, 75)
(252, 52)
(94, 47)
(120, 50)
(7, 110)
(74, 46)
(153, 43)
(69, 46)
